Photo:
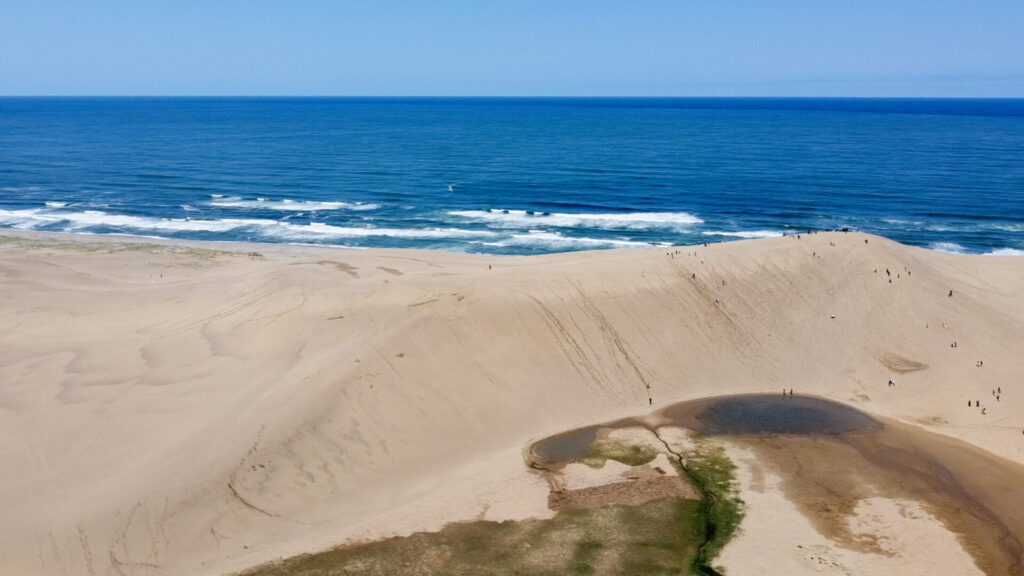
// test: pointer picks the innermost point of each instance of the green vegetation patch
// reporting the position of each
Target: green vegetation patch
(657, 538)
(663, 537)
(631, 454)
(709, 467)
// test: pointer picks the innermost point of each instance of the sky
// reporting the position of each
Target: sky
(936, 48)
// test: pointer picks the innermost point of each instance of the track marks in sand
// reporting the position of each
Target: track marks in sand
(241, 467)
(83, 541)
(248, 299)
(570, 345)
(247, 504)
(310, 466)
(594, 347)
(612, 339)
(340, 266)
(423, 302)
(900, 364)
(120, 554)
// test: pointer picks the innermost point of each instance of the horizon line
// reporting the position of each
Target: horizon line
(511, 97)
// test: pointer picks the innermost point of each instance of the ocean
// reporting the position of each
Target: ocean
(516, 176)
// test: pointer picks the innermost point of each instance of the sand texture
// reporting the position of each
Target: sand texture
(196, 409)
(889, 536)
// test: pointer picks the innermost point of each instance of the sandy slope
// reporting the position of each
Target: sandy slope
(176, 410)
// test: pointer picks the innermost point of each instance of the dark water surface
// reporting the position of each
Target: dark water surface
(768, 415)
(743, 415)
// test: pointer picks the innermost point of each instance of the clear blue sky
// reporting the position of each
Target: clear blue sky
(515, 48)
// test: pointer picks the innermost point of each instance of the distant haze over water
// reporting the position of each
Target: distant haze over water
(516, 176)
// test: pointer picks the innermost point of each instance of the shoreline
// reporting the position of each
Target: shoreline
(940, 247)
(204, 414)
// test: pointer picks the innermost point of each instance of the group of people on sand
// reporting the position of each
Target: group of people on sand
(888, 273)
(809, 232)
(997, 392)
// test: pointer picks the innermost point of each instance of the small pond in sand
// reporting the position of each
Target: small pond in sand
(745, 415)
(768, 415)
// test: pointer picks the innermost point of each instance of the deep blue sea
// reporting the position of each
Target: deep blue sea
(516, 176)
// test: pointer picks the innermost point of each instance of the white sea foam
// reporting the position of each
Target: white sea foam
(949, 247)
(898, 222)
(56, 204)
(24, 219)
(96, 218)
(91, 219)
(316, 229)
(1005, 252)
(556, 241)
(629, 220)
(288, 205)
(745, 233)
(1013, 227)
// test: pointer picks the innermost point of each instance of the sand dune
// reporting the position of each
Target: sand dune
(196, 409)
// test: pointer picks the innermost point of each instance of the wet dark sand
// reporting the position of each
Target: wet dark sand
(831, 456)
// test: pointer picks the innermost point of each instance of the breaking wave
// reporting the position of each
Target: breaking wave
(93, 220)
(948, 247)
(221, 201)
(745, 233)
(611, 220)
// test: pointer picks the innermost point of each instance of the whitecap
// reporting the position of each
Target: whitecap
(1014, 227)
(557, 241)
(318, 229)
(75, 221)
(610, 220)
(1005, 252)
(948, 247)
(92, 219)
(745, 233)
(898, 222)
(56, 204)
(289, 205)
